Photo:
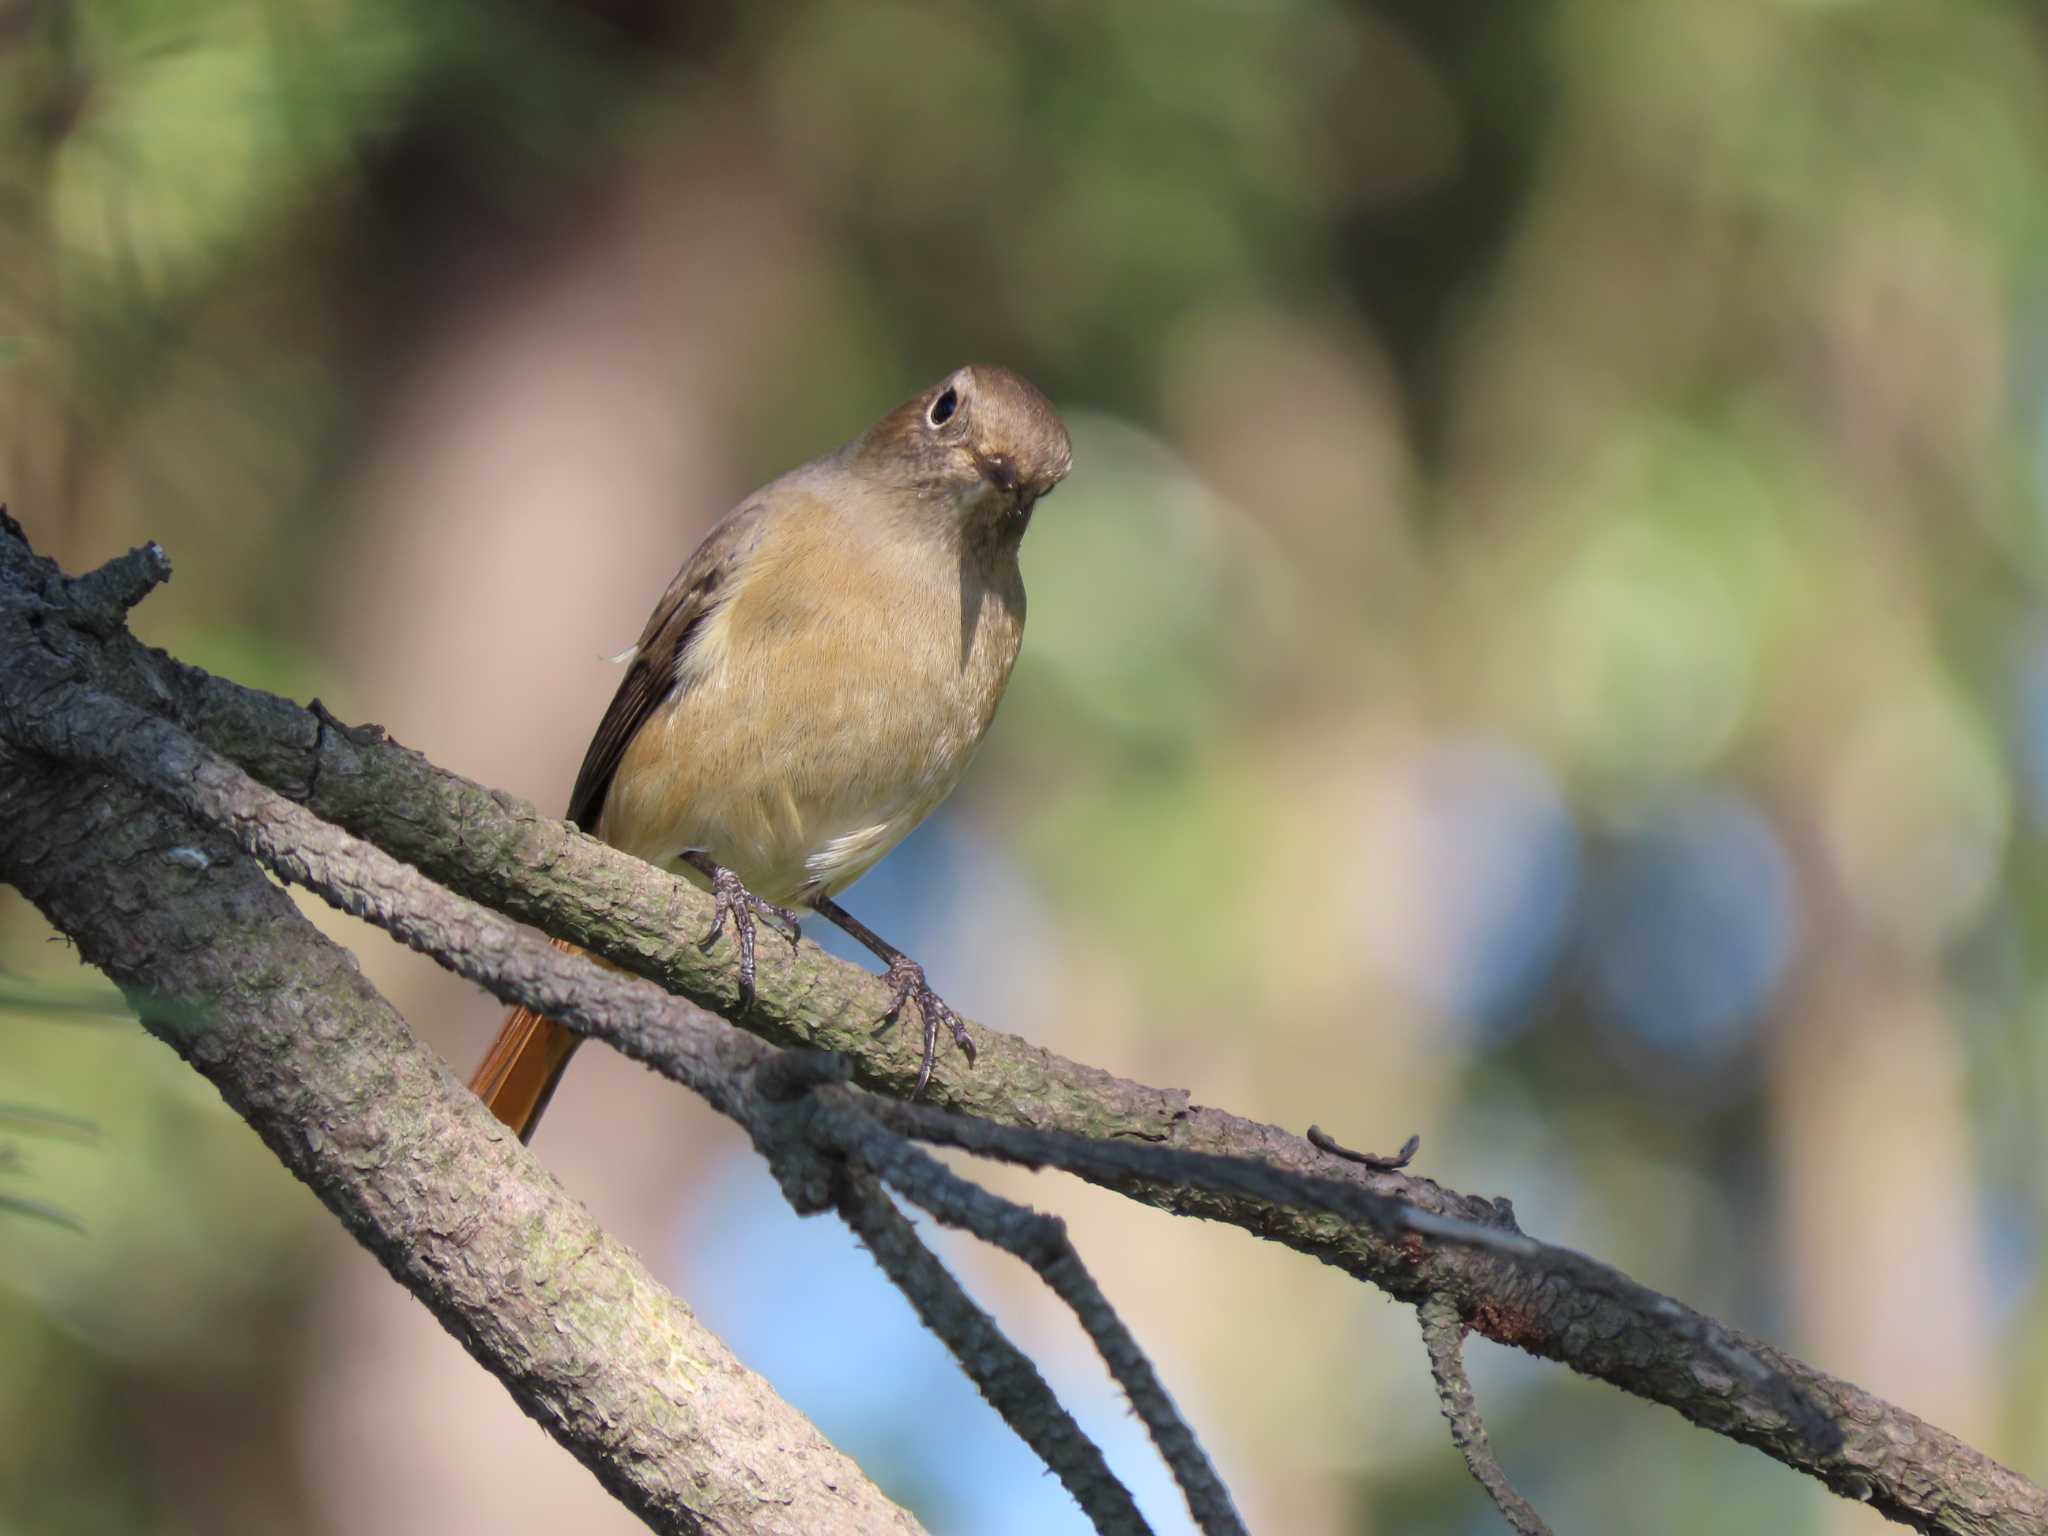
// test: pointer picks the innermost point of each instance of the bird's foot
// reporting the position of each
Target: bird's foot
(735, 901)
(906, 976)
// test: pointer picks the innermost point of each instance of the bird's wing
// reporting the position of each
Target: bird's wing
(700, 586)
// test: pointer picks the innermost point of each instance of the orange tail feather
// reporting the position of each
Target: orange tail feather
(518, 1074)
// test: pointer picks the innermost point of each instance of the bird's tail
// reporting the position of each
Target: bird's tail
(518, 1074)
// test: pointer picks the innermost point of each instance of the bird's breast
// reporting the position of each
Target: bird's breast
(821, 713)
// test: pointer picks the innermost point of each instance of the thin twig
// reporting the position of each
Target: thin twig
(1116, 1163)
(1041, 1241)
(1004, 1373)
(1443, 1335)
(1379, 1162)
(101, 599)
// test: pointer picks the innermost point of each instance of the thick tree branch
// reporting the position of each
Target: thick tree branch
(1517, 1291)
(221, 966)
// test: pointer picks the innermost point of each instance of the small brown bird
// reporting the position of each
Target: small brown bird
(814, 681)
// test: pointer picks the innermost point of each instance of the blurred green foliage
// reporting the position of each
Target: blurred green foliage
(1518, 449)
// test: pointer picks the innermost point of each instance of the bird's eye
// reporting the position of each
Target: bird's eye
(943, 408)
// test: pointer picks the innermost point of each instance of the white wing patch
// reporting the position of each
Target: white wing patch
(844, 859)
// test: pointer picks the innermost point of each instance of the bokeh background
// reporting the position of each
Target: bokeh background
(1545, 645)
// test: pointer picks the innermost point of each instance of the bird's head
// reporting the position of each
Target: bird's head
(982, 440)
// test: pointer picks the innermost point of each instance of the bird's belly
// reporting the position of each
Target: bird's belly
(798, 771)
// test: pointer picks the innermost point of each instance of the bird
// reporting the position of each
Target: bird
(813, 683)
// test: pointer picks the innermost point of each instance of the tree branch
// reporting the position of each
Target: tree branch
(1005, 1373)
(81, 725)
(1443, 1335)
(1041, 1242)
(700, 1051)
(221, 966)
(1513, 1289)
(498, 850)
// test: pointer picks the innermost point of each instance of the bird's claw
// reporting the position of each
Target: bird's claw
(906, 977)
(732, 899)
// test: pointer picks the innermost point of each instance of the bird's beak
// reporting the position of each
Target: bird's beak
(999, 469)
